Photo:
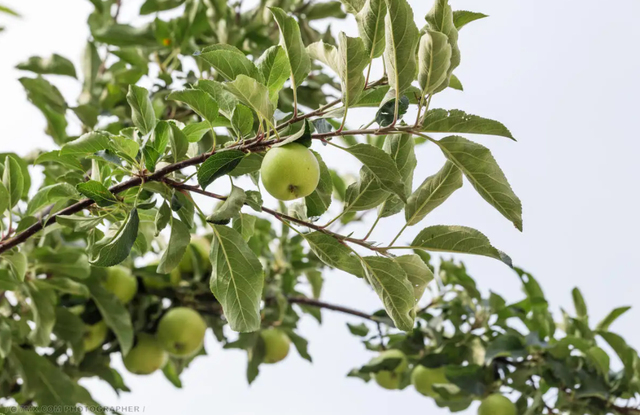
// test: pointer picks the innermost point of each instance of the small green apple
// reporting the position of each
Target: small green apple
(94, 335)
(497, 404)
(181, 331)
(198, 248)
(390, 379)
(146, 356)
(122, 283)
(424, 378)
(290, 172)
(276, 345)
(162, 281)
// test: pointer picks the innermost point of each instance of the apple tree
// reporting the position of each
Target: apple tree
(106, 246)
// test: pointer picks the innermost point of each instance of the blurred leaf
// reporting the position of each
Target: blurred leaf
(178, 242)
(54, 65)
(114, 313)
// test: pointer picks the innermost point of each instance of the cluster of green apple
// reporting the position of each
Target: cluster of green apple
(424, 379)
(181, 330)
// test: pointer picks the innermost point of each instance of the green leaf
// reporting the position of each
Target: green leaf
(194, 132)
(381, 166)
(45, 381)
(5, 198)
(254, 200)
(353, 6)
(611, 317)
(600, 359)
(392, 285)
(226, 100)
(125, 35)
(5, 339)
(367, 193)
(303, 136)
(143, 116)
(457, 239)
(237, 279)
(13, 180)
(245, 225)
(41, 92)
(65, 285)
(250, 164)
(54, 65)
(401, 149)
(70, 328)
(371, 27)
(49, 195)
(6, 10)
(291, 42)
(242, 120)
(253, 94)
(62, 262)
(114, 313)
(317, 11)
(336, 255)
(434, 59)
(200, 101)
(360, 330)
(230, 62)
(480, 168)
(97, 192)
(170, 371)
(178, 242)
(432, 193)
(316, 281)
(455, 83)
(462, 17)
(348, 61)
(401, 44)
(218, 165)
(42, 305)
(419, 274)
(386, 115)
(580, 305)
(112, 250)
(156, 145)
(87, 144)
(153, 6)
(456, 121)
(440, 19)
(228, 209)
(301, 344)
(17, 264)
(275, 70)
(319, 201)
(55, 157)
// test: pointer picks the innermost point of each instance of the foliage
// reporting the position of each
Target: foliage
(233, 83)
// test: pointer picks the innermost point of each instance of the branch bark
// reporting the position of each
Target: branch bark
(321, 304)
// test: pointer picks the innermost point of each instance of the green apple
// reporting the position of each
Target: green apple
(497, 404)
(146, 356)
(424, 378)
(390, 379)
(200, 247)
(276, 345)
(94, 335)
(181, 331)
(290, 172)
(162, 281)
(122, 283)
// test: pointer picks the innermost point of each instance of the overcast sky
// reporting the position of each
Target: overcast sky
(562, 75)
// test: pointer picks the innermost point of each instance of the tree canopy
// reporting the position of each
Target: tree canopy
(105, 250)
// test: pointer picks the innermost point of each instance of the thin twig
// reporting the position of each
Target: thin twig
(322, 304)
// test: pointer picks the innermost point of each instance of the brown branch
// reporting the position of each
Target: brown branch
(277, 215)
(322, 304)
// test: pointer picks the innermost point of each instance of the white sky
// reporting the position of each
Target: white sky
(562, 75)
